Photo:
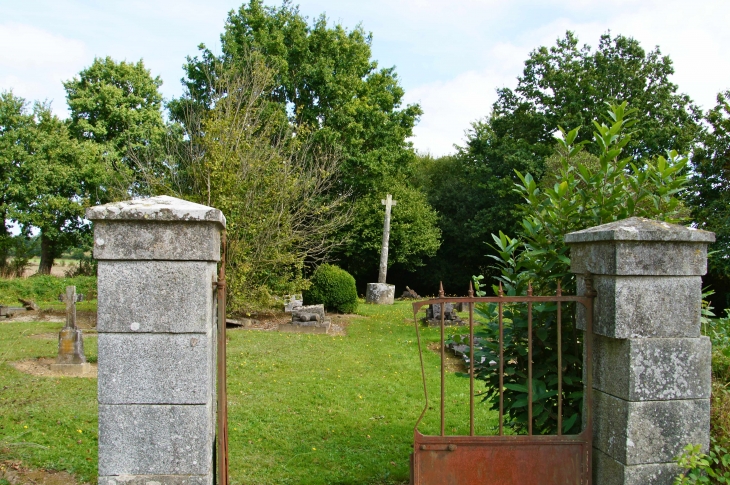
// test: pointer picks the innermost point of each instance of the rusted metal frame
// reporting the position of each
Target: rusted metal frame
(222, 411)
(471, 362)
(590, 293)
(560, 363)
(443, 362)
(501, 362)
(505, 299)
(529, 361)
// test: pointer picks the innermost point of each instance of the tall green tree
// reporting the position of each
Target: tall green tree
(329, 90)
(57, 178)
(16, 134)
(709, 197)
(118, 106)
(563, 85)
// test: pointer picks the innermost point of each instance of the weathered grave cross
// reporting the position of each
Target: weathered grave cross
(388, 202)
(71, 358)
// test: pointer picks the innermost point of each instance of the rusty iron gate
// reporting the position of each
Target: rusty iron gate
(506, 459)
(220, 448)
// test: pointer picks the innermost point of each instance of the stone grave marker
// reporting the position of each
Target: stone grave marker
(71, 359)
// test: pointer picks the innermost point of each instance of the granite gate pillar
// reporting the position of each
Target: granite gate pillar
(157, 340)
(651, 367)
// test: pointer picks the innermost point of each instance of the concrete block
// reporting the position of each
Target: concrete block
(635, 433)
(140, 240)
(380, 293)
(607, 471)
(157, 480)
(155, 296)
(155, 368)
(155, 440)
(644, 306)
(73, 369)
(161, 208)
(639, 246)
(654, 369)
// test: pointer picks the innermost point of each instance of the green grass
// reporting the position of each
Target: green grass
(43, 289)
(303, 409)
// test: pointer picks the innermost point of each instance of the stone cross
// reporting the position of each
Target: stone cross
(71, 359)
(388, 202)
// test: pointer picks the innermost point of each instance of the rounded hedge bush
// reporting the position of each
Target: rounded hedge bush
(334, 287)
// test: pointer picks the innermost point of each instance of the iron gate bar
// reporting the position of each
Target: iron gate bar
(222, 432)
(513, 446)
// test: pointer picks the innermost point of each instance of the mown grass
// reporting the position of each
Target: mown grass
(303, 409)
(45, 422)
(44, 289)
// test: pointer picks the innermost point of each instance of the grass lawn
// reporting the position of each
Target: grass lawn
(303, 409)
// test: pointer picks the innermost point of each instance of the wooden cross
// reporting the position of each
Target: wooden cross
(388, 202)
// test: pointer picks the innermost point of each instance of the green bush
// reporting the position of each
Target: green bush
(334, 287)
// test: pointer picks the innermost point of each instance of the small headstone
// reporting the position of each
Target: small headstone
(71, 359)
(433, 315)
(292, 302)
(409, 294)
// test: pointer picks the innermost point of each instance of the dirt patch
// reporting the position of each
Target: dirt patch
(84, 319)
(15, 473)
(453, 363)
(42, 367)
(269, 322)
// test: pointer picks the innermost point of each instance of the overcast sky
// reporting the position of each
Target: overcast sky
(450, 55)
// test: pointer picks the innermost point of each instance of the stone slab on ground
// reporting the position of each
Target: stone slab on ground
(155, 439)
(635, 433)
(155, 368)
(380, 293)
(72, 369)
(654, 369)
(181, 302)
(644, 306)
(615, 473)
(291, 328)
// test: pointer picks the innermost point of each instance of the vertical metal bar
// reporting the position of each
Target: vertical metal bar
(471, 361)
(588, 363)
(529, 361)
(442, 308)
(501, 363)
(560, 363)
(222, 454)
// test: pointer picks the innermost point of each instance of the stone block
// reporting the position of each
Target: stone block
(654, 369)
(644, 306)
(607, 471)
(155, 296)
(380, 293)
(157, 480)
(155, 440)
(635, 433)
(639, 246)
(161, 208)
(155, 368)
(141, 240)
(73, 369)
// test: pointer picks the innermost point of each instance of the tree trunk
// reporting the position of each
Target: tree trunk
(47, 255)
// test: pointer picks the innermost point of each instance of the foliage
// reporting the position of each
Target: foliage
(709, 197)
(699, 467)
(618, 188)
(334, 288)
(326, 88)
(561, 85)
(43, 288)
(275, 189)
(118, 106)
(53, 179)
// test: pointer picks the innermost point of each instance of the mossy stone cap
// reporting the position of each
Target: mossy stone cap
(640, 229)
(162, 208)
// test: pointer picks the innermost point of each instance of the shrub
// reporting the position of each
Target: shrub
(43, 288)
(334, 287)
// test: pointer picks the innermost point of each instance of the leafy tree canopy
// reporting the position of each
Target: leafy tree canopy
(326, 83)
(562, 85)
(117, 105)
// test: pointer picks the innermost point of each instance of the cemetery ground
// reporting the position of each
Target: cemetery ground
(303, 409)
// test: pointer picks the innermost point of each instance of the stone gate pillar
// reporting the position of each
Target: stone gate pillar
(157, 264)
(651, 367)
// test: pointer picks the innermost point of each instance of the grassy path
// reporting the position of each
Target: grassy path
(303, 409)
